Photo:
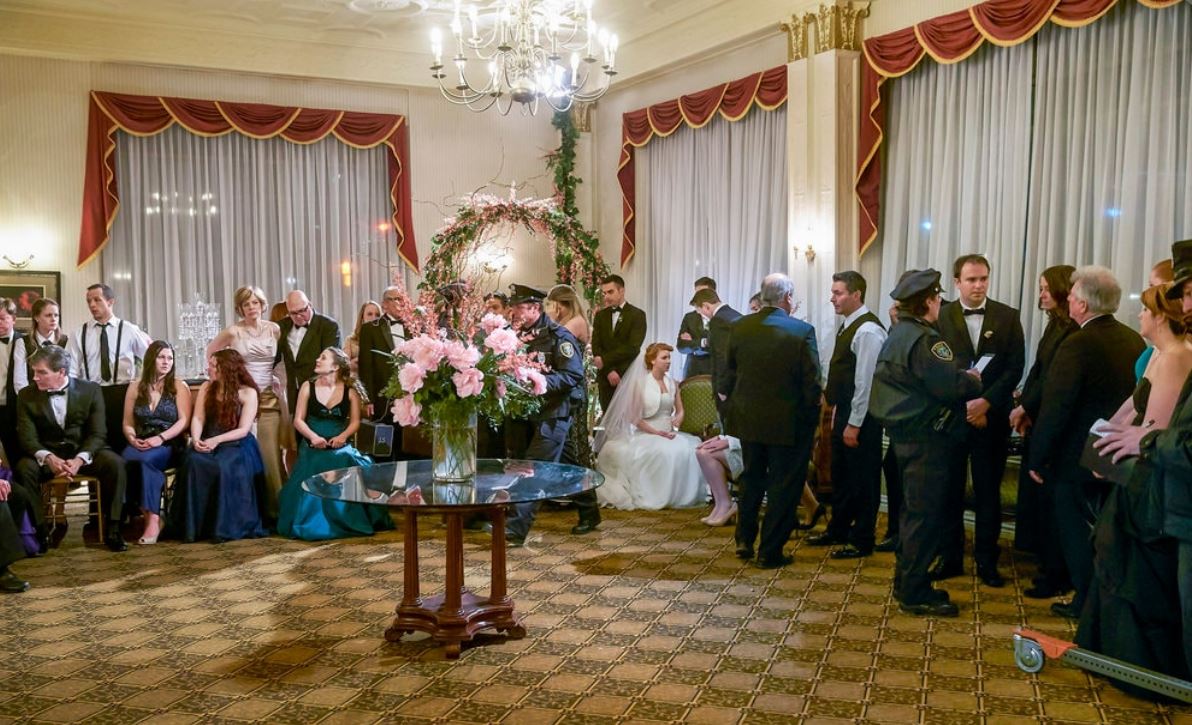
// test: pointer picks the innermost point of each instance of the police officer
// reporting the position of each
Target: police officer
(543, 437)
(918, 396)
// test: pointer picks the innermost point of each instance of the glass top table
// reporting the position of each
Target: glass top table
(453, 617)
(409, 483)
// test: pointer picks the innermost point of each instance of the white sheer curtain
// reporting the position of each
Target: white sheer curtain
(1112, 145)
(711, 202)
(207, 215)
(957, 169)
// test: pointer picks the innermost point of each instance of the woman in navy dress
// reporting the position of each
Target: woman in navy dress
(326, 417)
(218, 492)
(156, 414)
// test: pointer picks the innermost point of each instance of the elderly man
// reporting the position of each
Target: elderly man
(1167, 456)
(771, 384)
(304, 334)
(1093, 372)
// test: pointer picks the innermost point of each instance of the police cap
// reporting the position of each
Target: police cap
(915, 283)
(1181, 262)
(524, 293)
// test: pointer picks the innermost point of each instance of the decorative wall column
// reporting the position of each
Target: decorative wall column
(823, 72)
(585, 163)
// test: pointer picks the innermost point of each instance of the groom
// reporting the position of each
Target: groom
(618, 331)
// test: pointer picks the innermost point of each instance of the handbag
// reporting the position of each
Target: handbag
(375, 439)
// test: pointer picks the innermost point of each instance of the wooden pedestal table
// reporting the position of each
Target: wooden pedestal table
(456, 615)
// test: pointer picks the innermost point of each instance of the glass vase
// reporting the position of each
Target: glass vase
(453, 452)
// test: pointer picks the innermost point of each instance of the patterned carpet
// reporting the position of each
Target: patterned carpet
(651, 620)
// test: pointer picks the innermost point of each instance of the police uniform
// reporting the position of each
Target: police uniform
(918, 396)
(544, 435)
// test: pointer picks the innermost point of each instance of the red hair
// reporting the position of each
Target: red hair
(223, 393)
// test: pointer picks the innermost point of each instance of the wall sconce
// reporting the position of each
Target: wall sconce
(15, 264)
(345, 272)
(809, 253)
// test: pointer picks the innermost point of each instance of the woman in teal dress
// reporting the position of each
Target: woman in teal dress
(326, 417)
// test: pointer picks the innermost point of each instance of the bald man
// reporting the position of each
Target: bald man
(304, 334)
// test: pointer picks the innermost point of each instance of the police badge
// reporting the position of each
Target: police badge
(567, 350)
(942, 351)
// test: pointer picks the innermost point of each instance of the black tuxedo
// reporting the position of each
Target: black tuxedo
(84, 431)
(719, 328)
(617, 348)
(321, 333)
(772, 384)
(8, 411)
(696, 349)
(375, 360)
(1092, 373)
(984, 449)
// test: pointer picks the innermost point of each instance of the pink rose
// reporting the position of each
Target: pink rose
(406, 411)
(411, 377)
(461, 356)
(468, 382)
(425, 351)
(537, 379)
(491, 322)
(502, 342)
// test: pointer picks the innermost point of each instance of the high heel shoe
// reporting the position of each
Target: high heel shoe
(728, 518)
(147, 540)
(820, 510)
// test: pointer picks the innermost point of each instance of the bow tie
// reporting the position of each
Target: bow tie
(299, 327)
(52, 393)
(974, 312)
(4, 340)
(615, 310)
(393, 322)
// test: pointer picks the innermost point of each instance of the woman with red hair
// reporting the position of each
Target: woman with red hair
(217, 494)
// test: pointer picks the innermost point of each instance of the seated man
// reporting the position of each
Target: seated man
(61, 421)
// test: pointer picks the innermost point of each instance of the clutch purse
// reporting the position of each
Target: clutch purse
(1104, 466)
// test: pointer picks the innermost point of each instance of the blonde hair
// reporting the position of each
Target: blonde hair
(360, 317)
(244, 294)
(565, 297)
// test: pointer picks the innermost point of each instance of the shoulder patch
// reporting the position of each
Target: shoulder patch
(567, 350)
(942, 351)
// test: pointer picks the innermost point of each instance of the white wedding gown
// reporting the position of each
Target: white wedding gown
(646, 471)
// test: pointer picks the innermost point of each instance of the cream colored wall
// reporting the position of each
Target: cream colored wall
(43, 126)
(886, 16)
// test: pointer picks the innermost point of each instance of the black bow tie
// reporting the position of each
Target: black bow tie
(5, 340)
(974, 312)
(52, 393)
(299, 327)
(615, 309)
(393, 322)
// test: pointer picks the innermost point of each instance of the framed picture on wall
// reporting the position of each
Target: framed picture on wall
(24, 287)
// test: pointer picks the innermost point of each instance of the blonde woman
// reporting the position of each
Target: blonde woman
(564, 307)
(369, 311)
(256, 339)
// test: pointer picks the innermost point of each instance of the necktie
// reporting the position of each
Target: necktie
(974, 312)
(105, 362)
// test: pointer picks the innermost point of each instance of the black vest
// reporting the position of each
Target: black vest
(842, 369)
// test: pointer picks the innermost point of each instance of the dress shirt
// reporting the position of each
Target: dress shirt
(397, 331)
(616, 316)
(295, 338)
(1090, 320)
(974, 323)
(6, 351)
(867, 343)
(20, 358)
(58, 406)
(133, 345)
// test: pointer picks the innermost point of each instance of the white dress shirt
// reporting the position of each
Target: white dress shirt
(6, 352)
(297, 334)
(974, 323)
(397, 331)
(133, 345)
(21, 355)
(867, 343)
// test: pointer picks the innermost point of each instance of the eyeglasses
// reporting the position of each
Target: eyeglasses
(390, 299)
(298, 313)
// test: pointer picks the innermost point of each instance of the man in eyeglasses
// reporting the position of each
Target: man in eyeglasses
(304, 334)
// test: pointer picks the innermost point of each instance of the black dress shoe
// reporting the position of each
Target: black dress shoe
(990, 577)
(514, 542)
(585, 527)
(930, 609)
(115, 542)
(887, 544)
(781, 561)
(825, 539)
(1065, 609)
(945, 570)
(848, 551)
(744, 551)
(11, 583)
(1045, 591)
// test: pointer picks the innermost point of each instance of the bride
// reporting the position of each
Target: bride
(646, 462)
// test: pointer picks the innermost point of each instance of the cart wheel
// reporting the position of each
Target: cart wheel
(1028, 655)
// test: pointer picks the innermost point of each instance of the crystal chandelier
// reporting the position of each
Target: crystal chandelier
(538, 50)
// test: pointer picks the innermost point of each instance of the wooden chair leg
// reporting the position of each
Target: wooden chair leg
(99, 517)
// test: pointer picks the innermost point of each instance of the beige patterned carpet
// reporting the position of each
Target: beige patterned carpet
(651, 620)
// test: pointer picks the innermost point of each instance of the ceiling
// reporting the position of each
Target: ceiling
(384, 41)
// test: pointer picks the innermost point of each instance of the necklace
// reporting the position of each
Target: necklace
(259, 332)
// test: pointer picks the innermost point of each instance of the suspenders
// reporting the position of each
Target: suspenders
(83, 345)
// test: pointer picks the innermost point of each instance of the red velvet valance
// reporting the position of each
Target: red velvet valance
(149, 115)
(731, 100)
(948, 39)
